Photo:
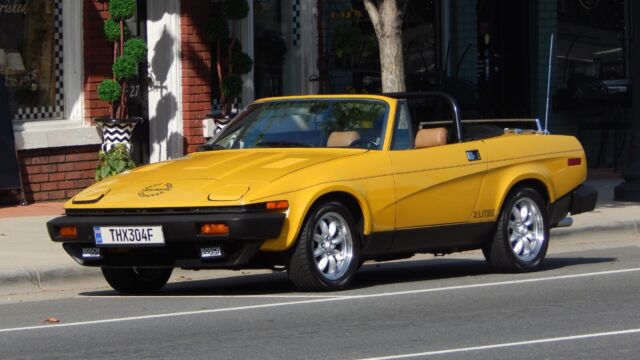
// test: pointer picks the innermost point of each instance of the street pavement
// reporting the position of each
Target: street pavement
(582, 304)
(30, 262)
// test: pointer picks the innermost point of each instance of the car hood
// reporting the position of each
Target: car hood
(202, 179)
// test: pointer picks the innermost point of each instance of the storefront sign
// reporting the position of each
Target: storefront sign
(9, 169)
(14, 7)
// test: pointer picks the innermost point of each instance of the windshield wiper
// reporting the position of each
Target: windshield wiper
(279, 144)
(208, 147)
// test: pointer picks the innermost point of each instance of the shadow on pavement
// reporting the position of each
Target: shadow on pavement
(370, 275)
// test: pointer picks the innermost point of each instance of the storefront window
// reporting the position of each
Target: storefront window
(270, 46)
(591, 40)
(31, 52)
(351, 49)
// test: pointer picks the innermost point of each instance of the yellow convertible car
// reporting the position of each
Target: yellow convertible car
(317, 185)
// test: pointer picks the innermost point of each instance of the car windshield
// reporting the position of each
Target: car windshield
(306, 123)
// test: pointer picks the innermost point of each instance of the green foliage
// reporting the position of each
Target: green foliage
(352, 115)
(109, 91)
(112, 30)
(135, 49)
(218, 28)
(232, 86)
(122, 9)
(113, 162)
(124, 68)
(241, 62)
(236, 9)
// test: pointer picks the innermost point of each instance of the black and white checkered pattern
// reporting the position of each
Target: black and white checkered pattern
(236, 105)
(114, 134)
(296, 23)
(55, 111)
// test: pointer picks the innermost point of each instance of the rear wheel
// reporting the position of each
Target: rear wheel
(522, 233)
(326, 255)
(136, 280)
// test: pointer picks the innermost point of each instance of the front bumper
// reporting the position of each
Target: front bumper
(582, 199)
(183, 242)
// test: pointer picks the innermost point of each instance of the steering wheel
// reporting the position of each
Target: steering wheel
(364, 143)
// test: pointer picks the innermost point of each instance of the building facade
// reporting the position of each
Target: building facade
(492, 55)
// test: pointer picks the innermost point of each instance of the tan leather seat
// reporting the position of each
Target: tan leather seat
(431, 137)
(342, 138)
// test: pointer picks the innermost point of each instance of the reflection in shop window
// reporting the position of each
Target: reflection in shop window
(591, 40)
(352, 56)
(270, 46)
(30, 53)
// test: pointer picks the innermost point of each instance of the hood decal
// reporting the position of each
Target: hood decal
(155, 190)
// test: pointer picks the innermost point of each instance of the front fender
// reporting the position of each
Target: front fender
(302, 202)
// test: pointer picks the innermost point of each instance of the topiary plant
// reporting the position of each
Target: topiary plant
(127, 55)
(231, 63)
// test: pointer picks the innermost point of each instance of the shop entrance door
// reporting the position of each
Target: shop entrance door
(504, 39)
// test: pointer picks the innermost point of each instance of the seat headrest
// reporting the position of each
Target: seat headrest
(342, 138)
(431, 137)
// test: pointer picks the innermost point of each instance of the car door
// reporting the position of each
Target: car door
(435, 185)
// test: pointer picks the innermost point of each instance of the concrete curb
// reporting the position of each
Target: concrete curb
(34, 279)
(631, 227)
(43, 278)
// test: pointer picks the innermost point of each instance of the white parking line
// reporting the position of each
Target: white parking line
(511, 344)
(326, 300)
(189, 296)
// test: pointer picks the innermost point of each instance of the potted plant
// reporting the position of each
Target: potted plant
(230, 62)
(128, 53)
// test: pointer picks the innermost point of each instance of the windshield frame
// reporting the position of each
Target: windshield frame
(235, 122)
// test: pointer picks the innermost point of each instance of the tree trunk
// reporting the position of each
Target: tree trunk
(387, 22)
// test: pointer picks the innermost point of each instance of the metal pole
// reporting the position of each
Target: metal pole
(546, 111)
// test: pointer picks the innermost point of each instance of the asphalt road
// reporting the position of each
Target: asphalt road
(581, 305)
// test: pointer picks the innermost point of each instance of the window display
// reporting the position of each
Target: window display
(31, 57)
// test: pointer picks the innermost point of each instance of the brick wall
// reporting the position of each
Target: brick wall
(196, 70)
(57, 173)
(98, 57)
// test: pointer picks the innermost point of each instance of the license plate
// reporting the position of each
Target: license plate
(128, 235)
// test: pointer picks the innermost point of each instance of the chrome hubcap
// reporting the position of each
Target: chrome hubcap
(526, 229)
(332, 246)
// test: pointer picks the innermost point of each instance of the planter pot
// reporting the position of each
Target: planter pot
(215, 122)
(116, 131)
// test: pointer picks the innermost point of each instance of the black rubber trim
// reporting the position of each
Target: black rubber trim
(584, 199)
(441, 238)
(177, 228)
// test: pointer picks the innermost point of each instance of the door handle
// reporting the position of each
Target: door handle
(473, 155)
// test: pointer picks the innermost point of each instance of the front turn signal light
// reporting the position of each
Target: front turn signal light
(278, 205)
(68, 231)
(214, 229)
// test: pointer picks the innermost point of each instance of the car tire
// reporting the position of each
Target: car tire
(136, 280)
(521, 238)
(326, 255)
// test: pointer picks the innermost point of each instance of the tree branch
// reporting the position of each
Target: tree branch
(374, 15)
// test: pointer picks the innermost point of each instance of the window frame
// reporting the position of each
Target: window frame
(71, 130)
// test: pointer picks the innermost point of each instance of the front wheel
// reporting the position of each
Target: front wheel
(521, 238)
(136, 280)
(326, 255)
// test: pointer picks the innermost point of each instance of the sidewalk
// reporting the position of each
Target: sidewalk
(30, 261)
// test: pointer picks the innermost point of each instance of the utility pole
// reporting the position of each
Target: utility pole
(629, 190)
